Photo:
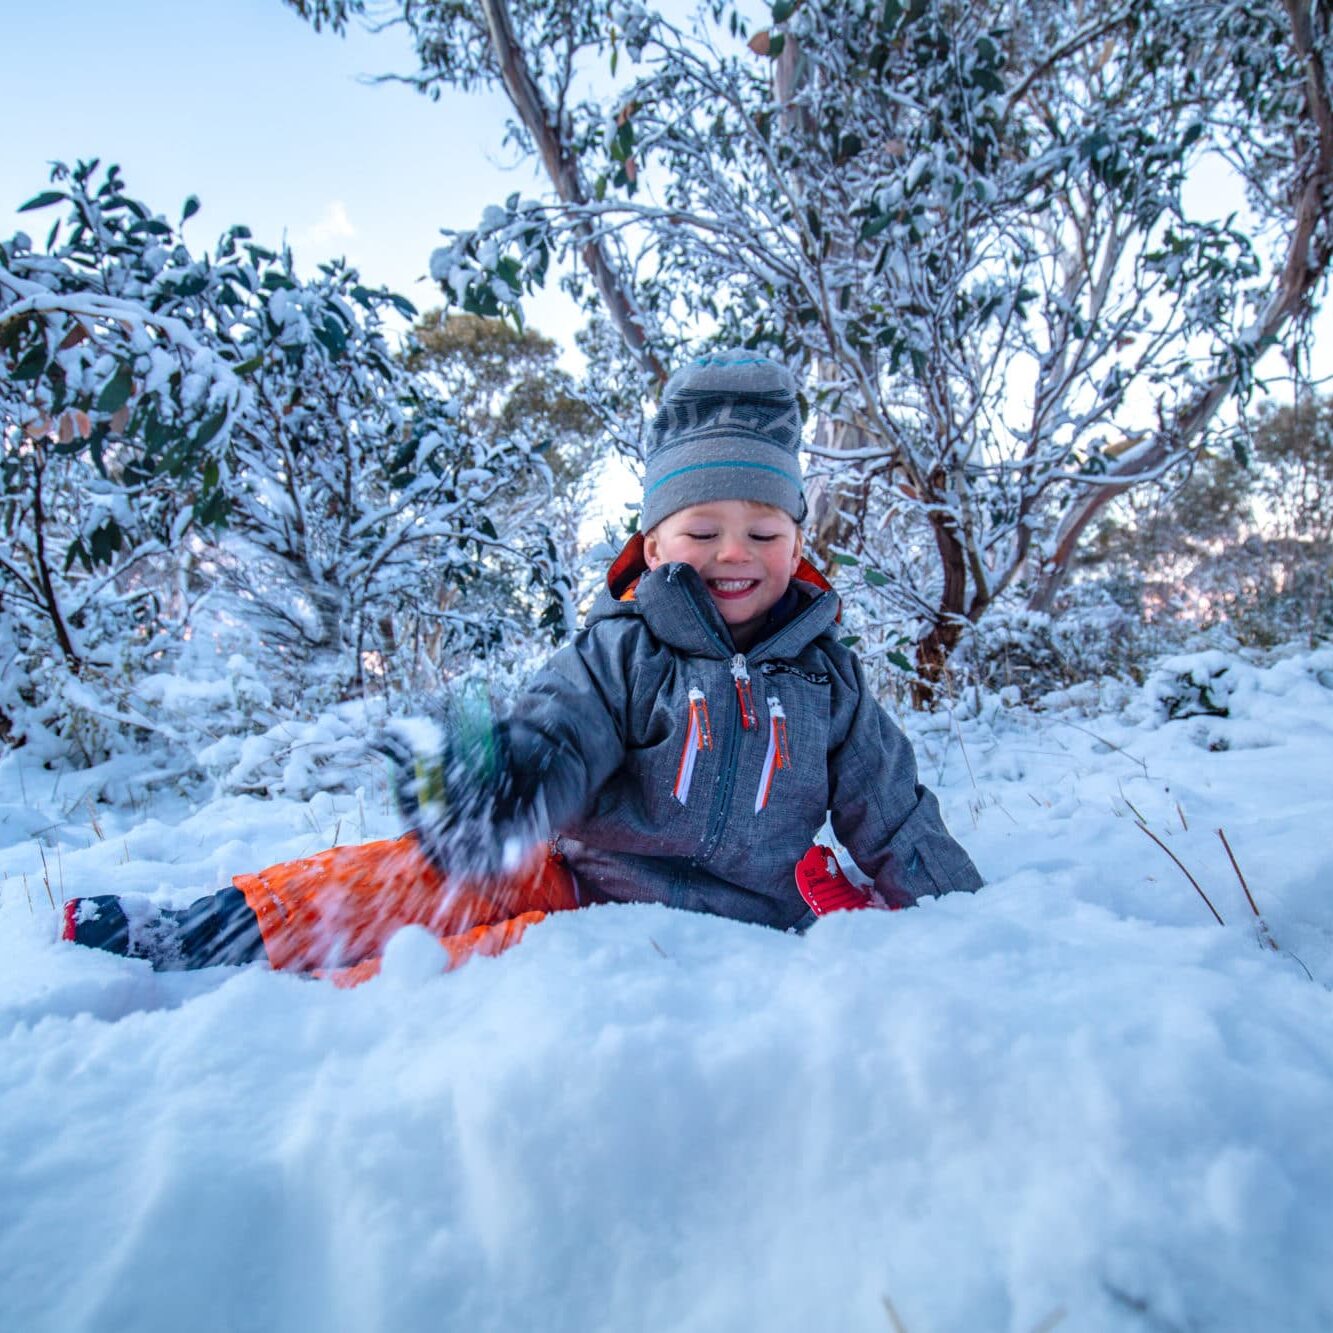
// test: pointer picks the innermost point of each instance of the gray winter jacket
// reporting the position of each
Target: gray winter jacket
(665, 767)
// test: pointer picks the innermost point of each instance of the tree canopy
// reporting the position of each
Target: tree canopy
(968, 227)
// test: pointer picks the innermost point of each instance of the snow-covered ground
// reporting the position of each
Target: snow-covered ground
(1070, 1101)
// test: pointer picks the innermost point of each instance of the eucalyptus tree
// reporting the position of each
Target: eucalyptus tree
(175, 422)
(115, 412)
(971, 226)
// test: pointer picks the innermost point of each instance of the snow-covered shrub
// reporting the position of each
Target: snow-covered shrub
(147, 396)
(1089, 636)
(298, 758)
(1193, 685)
(969, 220)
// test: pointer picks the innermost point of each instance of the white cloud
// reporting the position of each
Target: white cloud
(333, 227)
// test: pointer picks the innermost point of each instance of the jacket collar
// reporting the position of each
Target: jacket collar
(677, 608)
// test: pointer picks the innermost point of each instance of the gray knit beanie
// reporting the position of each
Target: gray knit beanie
(728, 429)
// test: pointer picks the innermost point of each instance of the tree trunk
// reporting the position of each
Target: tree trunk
(562, 168)
(1308, 253)
(932, 652)
(49, 595)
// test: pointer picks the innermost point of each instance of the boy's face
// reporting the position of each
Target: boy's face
(746, 554)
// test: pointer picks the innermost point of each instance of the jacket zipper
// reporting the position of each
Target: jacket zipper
(726, 774)
(777, 756)
(698, 736)
(744, 694)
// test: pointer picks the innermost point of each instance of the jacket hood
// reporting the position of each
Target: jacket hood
(675, 604)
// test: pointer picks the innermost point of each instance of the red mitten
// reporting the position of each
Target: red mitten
(822, 884)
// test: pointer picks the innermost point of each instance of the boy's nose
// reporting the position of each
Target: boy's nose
(732, 549)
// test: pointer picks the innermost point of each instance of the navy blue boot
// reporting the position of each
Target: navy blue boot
(216, 930)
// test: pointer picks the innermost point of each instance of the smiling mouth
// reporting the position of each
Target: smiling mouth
(732, 587)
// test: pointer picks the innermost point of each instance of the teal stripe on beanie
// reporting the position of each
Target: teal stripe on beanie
(714, 412)
(721, 462)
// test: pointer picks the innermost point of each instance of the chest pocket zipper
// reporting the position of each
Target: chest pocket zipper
(778, 755)
(698, 736)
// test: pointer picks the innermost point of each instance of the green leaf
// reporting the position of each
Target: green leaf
(116, 391)
(902, 663)
(987, 80)
(106, 541)
(875, 578)
(850, 640)
(190, 208)
(784, 9)
(842, 558)
(32, 363)
(211, 427)
(191, 284)
(43, 200)
(332, 336)
(776, 42)
(212, 511)
(77, 551)
(875, 224)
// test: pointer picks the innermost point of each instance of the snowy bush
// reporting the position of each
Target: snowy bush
(298, 759)
(1193, 685)
(918, 207)
(147, 396)
(1089, 636)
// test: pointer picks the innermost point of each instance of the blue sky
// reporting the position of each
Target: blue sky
(274, 125)
(269, 123)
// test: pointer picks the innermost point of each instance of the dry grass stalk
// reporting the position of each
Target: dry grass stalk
(1197, 887)
(1134, 809)
(46, 876)
(1184, 823)
(898, 1325)
(1264, 933)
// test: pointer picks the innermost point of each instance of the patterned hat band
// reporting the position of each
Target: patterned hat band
(729, 428)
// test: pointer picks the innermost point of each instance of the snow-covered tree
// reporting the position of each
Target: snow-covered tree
(358, 513)
(115, 414)
(175, 423)
(969, 224)
(506, 387)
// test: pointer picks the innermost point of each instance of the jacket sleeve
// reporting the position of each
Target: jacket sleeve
(883, 815)
(566, 733)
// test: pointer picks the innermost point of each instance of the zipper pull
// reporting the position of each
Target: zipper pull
(778, 755)
(698, 736)
(744, 695)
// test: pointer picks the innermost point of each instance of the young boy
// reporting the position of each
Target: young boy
(684, 749)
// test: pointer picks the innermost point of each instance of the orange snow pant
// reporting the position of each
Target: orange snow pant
(333, 913)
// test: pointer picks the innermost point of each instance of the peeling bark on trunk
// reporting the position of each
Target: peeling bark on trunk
(562, 168)
(933, 652)
(1309, 250)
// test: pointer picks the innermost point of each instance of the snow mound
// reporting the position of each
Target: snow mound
(1072, 1097)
